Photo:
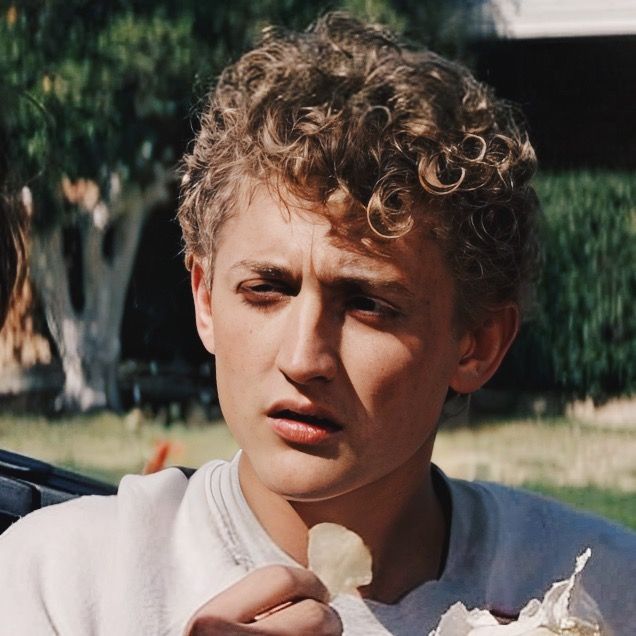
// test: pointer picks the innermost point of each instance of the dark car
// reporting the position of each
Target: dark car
(27, 484)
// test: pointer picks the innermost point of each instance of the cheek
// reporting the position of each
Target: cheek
(235, 354)
(245, 349)
(399, 377)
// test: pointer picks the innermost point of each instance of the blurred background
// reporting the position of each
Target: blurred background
(100, 366)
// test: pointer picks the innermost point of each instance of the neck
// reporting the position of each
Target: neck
(400, 520)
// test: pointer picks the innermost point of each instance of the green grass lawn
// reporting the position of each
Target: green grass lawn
(614, 505)
(589, 468)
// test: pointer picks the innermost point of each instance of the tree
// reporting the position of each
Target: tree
(94, 114)
(92, 122)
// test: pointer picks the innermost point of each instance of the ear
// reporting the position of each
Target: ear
(482, 349)
(202, 306)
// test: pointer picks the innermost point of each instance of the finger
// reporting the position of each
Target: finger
(307, 617)
(265, 589)
(201, 625)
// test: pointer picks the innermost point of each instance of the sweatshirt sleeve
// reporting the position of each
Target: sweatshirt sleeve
(47, 563)
(22, 605)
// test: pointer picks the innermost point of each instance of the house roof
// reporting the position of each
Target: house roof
(526, 19)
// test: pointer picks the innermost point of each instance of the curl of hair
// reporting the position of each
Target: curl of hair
(409, 137)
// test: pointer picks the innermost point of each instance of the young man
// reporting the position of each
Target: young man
(359, 225)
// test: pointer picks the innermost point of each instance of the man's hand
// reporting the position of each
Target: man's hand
(272, 600)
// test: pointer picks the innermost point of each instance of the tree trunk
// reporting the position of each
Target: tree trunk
(88, 338)
(21, 345)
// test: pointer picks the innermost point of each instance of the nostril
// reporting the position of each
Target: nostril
(304, 376)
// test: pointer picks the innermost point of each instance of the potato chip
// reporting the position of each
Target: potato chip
(566, 609)
(339, 558)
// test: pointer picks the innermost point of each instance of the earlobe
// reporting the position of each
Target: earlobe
(202, 296)
(482, 349)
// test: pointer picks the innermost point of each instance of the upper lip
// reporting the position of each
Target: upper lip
(305, 410)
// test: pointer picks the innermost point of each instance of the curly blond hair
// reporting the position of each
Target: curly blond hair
(346, 111)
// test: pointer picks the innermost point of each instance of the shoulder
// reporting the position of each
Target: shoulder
(98, 551)
(49, 556)
(84, 529)
(140, 502)
(90, 530)
(530, 541)
(99, 513)
(52, 527)
(521, 515)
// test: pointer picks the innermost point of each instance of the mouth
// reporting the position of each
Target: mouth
(301, 427)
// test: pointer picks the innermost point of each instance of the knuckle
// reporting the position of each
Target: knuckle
(205, 624)
(315, 613)
(284, 576)
(319, 618)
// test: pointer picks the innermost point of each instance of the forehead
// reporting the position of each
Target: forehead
(265, 227)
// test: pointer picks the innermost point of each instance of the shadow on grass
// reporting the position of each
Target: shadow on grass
(616, 506)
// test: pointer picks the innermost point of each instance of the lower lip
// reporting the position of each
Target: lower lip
(302, 432)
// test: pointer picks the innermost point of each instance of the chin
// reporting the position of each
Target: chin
(299, 476)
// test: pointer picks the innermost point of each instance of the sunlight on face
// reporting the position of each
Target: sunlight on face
(332, 363)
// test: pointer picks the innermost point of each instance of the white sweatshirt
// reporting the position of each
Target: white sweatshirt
(144, 561)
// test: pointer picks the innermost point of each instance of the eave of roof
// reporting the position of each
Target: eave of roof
(528, 19)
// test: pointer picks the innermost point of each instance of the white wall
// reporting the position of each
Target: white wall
(518, 19)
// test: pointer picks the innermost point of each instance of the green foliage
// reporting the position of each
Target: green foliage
(441, 26)
(378, 11)
(615, 505)
(88, 88)
(584, 338)
(92, 88)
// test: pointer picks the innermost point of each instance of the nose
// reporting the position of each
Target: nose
(308, 346)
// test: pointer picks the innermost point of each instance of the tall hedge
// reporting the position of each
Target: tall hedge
(583, 336)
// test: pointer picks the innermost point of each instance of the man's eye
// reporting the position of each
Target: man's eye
(371, 306)
(263, 288)
(263, 292)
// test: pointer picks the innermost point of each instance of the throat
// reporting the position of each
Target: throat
(413, 553)
(407, 535)
(406, 529)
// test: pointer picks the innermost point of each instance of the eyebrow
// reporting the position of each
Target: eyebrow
(351, 280)
(263, 267)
